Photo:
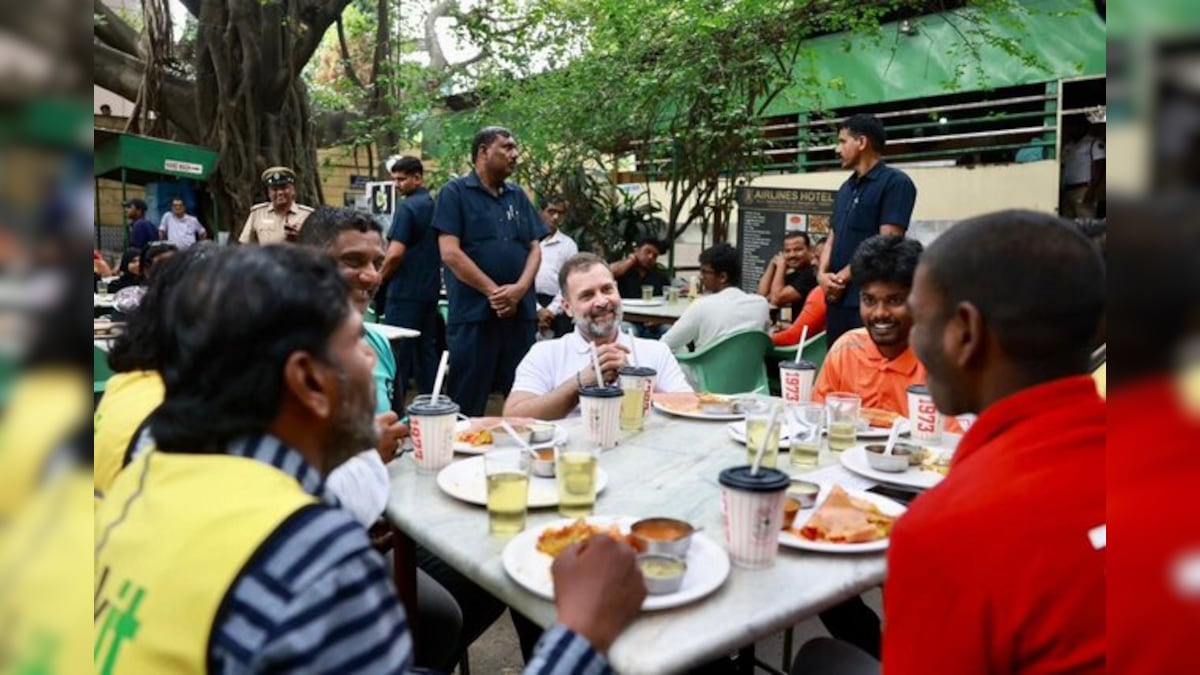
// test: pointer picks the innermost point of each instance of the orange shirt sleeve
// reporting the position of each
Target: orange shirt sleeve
(812, 315)
(829, 379)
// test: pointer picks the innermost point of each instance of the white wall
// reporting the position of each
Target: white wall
(944, 195)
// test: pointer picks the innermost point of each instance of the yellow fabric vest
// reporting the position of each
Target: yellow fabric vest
(45, 408)
(44, 591)
(128, 400)
(172, 536)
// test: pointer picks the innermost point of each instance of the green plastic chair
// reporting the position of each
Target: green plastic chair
(101, 370)
(732, 365)
(815, 350)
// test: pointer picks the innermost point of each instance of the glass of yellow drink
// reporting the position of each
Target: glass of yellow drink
(507, 489)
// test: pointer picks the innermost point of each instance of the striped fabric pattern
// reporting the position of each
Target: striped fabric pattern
(317, 598)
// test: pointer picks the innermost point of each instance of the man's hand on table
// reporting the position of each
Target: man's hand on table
(391, 432)
(598, 589)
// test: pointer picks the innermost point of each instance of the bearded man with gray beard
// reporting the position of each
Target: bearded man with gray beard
(549, 378)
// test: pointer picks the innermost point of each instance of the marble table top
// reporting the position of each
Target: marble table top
(668, 469)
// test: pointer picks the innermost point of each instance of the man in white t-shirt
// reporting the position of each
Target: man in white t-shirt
(726, 309)
(548, 379)
(1083, 169)
(179, 227)
(557, 247)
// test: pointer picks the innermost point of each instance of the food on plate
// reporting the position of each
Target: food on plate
(661, 566)
(842, 519)
(662, 535)
(475, 437)
(683, 401)
(790, 508)
(878, 417)
(554, 540)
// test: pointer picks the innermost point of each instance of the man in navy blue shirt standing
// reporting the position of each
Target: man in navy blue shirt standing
(141, 230)
(875, 199)
(488, 233)
(412, 270)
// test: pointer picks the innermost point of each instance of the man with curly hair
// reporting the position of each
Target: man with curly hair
(876, 361)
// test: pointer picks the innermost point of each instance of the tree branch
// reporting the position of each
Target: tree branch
(318, 16)
(347, 63)
(192, 6)
(114, 32)
(122, 74)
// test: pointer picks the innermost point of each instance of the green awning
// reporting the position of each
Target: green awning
(146, 159)
(1067, 37)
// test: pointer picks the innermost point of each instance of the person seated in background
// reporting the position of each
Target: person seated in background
(1005, 331)
(641, 269)
(127, 271)
(812, 316)
(272, 392)
(550, 376)
(725, 309)
(790, 275)
(126, 300)
(100, 266)
(876, 361)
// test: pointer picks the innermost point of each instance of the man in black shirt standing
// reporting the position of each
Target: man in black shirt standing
(875, 199)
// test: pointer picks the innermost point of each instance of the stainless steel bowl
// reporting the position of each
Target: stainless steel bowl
(665, 536)
(543, 466)
(541, 432)
(897, 462)
(502, 437)
(662, 573)
(804, 493)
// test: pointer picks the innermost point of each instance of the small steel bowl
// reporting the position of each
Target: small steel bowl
(662, 573)
(544, 464)
(501, 437)
(804, 493)
(541, 432)
(897, 462)
(664, 536)
(790, 508)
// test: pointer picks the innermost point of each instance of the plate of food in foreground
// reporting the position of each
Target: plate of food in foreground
(844, 522)
(527, 558)
(702, 406)
(477, 435)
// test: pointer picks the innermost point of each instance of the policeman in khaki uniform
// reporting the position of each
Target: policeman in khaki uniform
(280, 217)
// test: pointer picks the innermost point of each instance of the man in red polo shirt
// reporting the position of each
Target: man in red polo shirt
(1001, 567)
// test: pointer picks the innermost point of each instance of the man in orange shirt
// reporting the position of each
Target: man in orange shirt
(876, 361)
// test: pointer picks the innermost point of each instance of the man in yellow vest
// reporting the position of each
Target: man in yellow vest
(222, 551)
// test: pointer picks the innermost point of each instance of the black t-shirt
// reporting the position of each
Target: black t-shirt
(803, 281)
(630, 285)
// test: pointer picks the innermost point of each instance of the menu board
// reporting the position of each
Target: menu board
(765, 214)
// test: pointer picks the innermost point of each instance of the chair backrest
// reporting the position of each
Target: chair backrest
(732, 365)
(101, 371)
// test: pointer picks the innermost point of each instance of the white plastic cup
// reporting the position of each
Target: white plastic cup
(752, 507)
(601, 409)
(796, 381)
(924, 420)
(432, 428)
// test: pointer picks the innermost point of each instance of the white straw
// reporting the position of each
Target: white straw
(894, 434)
(633, 359)
(803, 337)
(762, 444)
(441, 375)
(596, 365)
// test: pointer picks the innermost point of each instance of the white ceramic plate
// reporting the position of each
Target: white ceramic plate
(855, 459)
(466, 480)
(698, 414)
(560, 437)
(707, 565)
(792, 539)
(643, 303)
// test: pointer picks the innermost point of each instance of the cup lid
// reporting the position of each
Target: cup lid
(444, 406)
(601, 392)
(767, 480)
(637, 371)
(798, 365)
(918, 389)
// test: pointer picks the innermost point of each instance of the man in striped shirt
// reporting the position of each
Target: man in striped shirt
(223, 551)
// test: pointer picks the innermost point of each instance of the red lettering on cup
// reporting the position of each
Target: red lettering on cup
(418, 445)
(926, 416)
(791, 385)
